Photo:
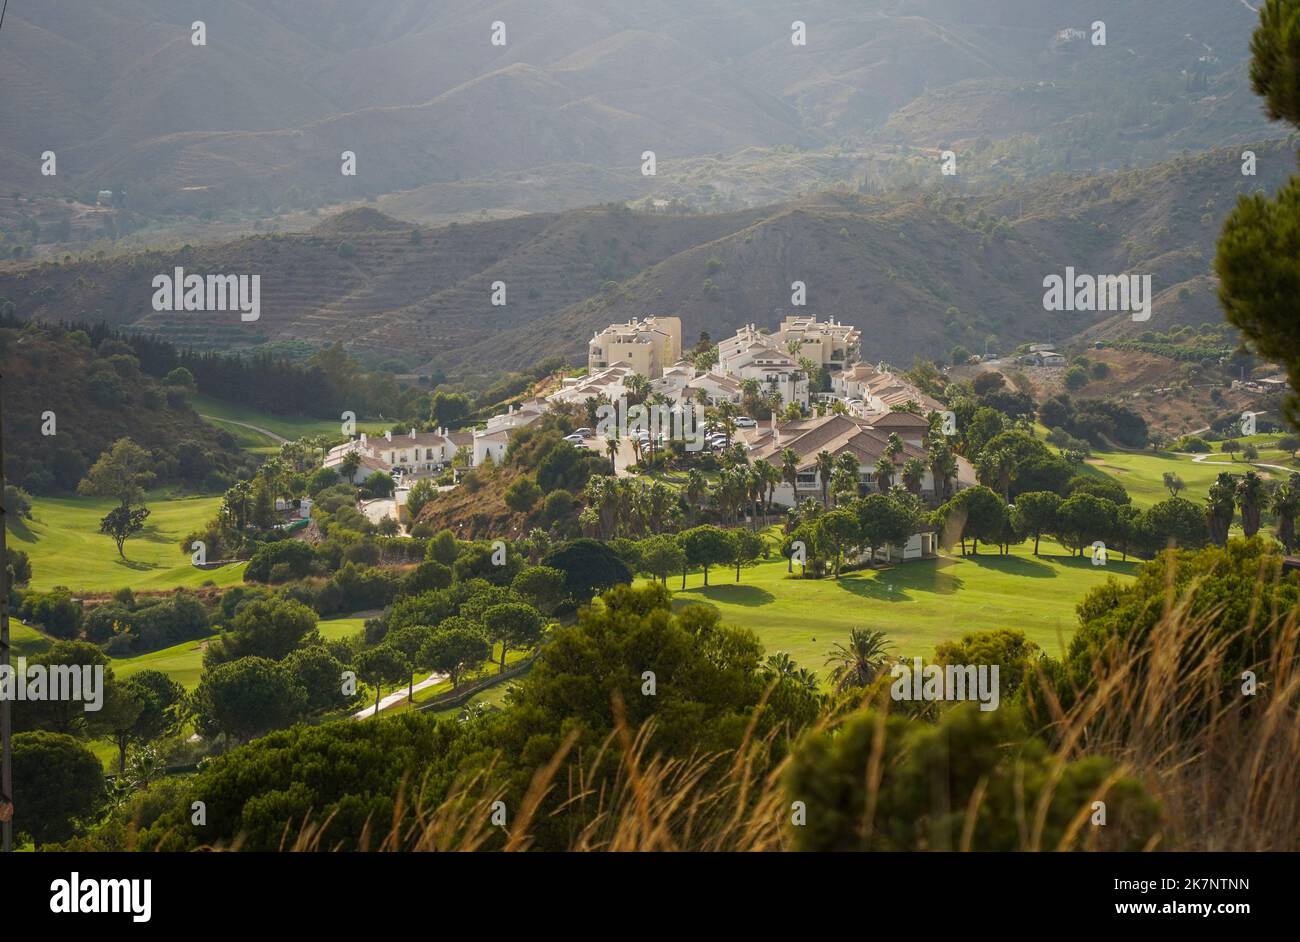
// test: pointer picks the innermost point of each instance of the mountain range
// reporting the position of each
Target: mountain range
(917, 273)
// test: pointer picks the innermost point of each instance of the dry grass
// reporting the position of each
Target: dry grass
(1227, 773)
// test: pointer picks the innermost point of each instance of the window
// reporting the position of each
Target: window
(806, 479)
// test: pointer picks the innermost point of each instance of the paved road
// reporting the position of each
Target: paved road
(279, 439)
(398, 696)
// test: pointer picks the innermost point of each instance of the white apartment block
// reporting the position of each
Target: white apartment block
(648, 346)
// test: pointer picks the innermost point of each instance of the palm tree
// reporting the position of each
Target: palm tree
(861, 661)
(852, 468)
(782, 664)
(943, 466)
(994, 471)
(611, 448)
(895, 446)
(790, 472)
(727, 418)
(844, 483)
(771, 479)
(913, 474)
(825, 464)
(1222, 500)
(638, 387)
(884, 474)
(1285, 504)
(1251, 495)
(697, 485)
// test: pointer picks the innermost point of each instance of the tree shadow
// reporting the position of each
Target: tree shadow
(17, 526)
(1014, 565)
(877, 589)
(750, 596)
(151, 534)
(137, 566)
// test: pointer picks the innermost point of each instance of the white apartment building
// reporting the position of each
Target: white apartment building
(648, 346)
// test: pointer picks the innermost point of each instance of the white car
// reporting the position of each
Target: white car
(745, 421)
(583, 432)
(575, 437)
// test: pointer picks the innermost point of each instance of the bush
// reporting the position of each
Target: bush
(55, 611)
(523, 495)
(1076, 377)
(299, 557)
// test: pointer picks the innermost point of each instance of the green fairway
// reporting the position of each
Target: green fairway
(66, 547)
(335, 629)
(291, 427)
(1142, 473)
(251, 441)
(181, 662)
(918, 604)
(25, 641)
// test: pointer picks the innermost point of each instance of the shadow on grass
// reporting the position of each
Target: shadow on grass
(136, 566)
(1014, 565)
(880, 589)
(151, 534)
(17, 526)
(732, 594)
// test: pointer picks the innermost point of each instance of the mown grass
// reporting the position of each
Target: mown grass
(291, 427)
(66, 547)
(918, 604)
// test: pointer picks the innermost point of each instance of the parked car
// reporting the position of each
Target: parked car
(745, 421)
(575, 437)
(583, 432)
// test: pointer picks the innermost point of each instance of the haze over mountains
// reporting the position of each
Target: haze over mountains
(559, 116)
(917, 274)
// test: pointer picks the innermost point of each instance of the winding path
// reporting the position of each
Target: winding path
(278, 439)
(398, 696)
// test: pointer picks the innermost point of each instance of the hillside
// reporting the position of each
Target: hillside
(97, 395)
(958, 269)
(256, 119)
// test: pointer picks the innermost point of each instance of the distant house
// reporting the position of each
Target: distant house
(419, 454)
(865, 439)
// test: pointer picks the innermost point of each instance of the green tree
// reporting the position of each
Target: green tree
(542, 587)
(247, 698)
(707, 546)
(1178, 523)
(1035, 513)
(456, 649)
(149, 705)
(409, 641)
(1083, 520)
(1285, 505)
(523, 495)
(661, 556)
(421, 492)
(381, 665)
(746, 547)
(121, 473)
(825, 464)
(513, 625)
(1259, 281)
(588, 566)
(122, 523)
(57, 782)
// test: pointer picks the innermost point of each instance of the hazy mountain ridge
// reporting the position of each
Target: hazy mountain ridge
(259, 116)
(953, 267)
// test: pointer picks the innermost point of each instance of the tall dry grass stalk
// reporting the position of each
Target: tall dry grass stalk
(1226, 768)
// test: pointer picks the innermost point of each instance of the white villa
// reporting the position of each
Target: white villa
(419, 453)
